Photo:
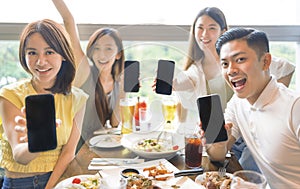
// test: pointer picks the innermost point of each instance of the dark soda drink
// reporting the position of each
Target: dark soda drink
(193, 151)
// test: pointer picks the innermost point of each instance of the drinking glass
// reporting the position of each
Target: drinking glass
(247, 179)
(140, 104)
(145, 119)
(169, 109)
(113, 183)
(127, 110)
(193, 151)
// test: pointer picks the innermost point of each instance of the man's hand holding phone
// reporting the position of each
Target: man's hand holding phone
(216, 151)
(212, 118)
(213, 126)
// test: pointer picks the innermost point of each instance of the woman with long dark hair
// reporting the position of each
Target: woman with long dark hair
(98, 73)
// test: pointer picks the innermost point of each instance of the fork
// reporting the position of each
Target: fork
(222, 170)
(159, 135)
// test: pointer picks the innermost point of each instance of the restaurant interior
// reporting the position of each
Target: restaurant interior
(145, 27)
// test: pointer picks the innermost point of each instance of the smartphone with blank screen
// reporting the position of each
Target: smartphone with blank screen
(131, 76)
(164, 79)
(41, 122)
(212, 118)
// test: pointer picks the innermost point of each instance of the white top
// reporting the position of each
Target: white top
(281, 67)
(191, 84)
(271, 130)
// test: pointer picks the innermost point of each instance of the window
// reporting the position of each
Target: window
(147, 25)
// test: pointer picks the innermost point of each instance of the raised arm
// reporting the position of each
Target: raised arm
(71, 28)
(80, 58)
(286, 80)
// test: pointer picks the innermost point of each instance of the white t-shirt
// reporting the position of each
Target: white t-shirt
(271, 130)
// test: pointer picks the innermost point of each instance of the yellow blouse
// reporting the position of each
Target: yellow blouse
(66, 106)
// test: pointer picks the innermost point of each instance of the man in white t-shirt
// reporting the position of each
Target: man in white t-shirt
(262, 111)
(283, 71)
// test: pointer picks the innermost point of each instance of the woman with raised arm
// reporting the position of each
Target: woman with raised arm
(98, 73)
(202, 73)
(202, 70)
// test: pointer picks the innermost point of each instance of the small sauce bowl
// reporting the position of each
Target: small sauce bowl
(129, 172)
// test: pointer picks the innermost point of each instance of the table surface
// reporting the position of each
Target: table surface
(80, 163)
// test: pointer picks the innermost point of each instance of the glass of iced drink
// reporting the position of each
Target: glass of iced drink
(193, 150)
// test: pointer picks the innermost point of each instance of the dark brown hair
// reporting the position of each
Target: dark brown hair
(57, 38)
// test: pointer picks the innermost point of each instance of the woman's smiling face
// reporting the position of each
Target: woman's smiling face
(42, 61)
(245, 72)
(105, 52)
(207, 31)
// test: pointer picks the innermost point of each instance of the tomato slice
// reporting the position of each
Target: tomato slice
(76, 181)
(175, 147)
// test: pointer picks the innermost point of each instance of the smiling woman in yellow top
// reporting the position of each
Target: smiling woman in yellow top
(46, 54)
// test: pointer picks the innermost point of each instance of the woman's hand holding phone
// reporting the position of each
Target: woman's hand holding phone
(21, 126)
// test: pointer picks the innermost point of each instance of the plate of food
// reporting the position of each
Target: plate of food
(158, 174)
(211, 179)
(145, 144)
(80, 182)
(106, 141)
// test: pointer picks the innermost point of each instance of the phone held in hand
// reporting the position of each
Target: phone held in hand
(41, 122)
(212, 118)
(131, 76)
(164, 79)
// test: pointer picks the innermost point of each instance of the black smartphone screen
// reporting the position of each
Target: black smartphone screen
(41, 124)
(212, 118)
(164, 79)
(131, 76)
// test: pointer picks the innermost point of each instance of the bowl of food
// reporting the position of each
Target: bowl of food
(129, 172)
(146, 145)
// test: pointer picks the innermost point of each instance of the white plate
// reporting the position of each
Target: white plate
(201, 177)
(129, 141)
(67, 183)
(106, 141)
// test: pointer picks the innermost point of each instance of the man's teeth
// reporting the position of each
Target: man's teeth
(238, 83)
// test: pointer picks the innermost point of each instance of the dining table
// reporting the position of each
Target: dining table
(79, 165)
